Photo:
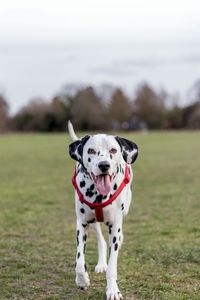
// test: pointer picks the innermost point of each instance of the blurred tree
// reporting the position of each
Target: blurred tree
(191, 116)
(120, 109)
(191, 113)
(92, 109)
(4, 114)
(60, 110)
(87, 111)
(149, 106)
(194, 92)
(193, 121)
(105, 92)
(31, 117)
(43, 116)
(174, 118)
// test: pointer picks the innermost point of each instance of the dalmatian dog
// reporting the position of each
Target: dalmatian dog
(102, 161)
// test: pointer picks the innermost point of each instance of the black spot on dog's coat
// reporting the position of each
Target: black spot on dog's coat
(85, 238)
(98, 199)
(82, 169)
(89, 193)
(122, 206)
(116, 246)
(92, 221)
(121, 169)
(92, 187)
(115, 186)
(78, 255)
(85, 268)
(82, 210)
(84, 225)
(82, 183)
(78, 170)
(89, 159)
(114, 239)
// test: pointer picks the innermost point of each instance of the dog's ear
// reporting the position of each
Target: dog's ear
(129, 149)
(76, 148)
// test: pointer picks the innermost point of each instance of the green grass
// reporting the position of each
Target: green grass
(160, 257)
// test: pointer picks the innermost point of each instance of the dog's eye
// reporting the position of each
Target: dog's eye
(113, 151)
(91, 151)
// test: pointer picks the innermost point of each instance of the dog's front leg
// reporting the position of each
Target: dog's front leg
(115, 236)
(102, 249)
(82, 278)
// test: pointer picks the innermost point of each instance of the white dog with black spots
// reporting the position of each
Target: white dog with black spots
(100, 168)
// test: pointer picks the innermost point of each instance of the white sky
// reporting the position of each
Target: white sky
(62, 19)
(98, 36)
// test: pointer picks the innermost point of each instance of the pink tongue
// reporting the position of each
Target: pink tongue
(103, 184)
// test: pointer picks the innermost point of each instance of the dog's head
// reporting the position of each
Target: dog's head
(101, 155)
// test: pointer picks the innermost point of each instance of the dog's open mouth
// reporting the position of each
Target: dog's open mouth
(103, 183)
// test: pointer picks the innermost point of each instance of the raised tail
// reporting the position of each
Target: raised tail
(72, 132)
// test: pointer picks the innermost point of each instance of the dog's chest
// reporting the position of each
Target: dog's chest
(89, 192)
(88, 188)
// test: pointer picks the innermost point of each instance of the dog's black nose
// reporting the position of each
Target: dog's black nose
(104, 166)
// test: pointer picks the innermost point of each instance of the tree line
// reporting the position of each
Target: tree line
(106, 109)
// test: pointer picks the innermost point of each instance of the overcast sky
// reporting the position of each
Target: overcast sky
(45, 44)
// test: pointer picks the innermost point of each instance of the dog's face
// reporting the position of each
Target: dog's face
(101, 155)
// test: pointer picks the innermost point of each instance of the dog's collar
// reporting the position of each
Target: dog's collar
(99, 206)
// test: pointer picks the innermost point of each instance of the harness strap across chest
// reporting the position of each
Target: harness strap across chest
(99, 206)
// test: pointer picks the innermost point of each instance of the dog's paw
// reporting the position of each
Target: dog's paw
(113, 295)
(112, 292)
(100, 268)
(82, 280)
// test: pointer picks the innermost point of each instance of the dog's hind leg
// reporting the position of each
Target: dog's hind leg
(102, 249)
(82, 278)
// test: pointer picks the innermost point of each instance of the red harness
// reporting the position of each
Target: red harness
(99, 206)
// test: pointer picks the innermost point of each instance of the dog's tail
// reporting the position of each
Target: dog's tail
(72, 132)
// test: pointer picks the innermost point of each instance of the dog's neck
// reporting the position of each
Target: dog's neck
(88, 188)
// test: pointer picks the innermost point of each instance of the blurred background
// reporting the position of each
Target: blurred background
(131, 65)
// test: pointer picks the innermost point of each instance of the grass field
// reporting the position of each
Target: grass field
(160, 257)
